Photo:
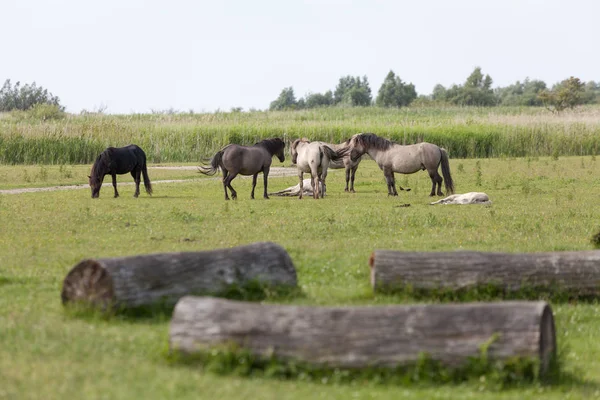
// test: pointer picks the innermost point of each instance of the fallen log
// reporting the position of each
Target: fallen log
(575, 273)
(361, 337)
(135, 281)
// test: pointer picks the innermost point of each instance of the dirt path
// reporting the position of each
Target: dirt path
(275, 172)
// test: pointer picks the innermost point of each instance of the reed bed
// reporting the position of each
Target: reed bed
(190, 137)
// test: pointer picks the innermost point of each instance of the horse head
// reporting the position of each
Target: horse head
(280, 150)
(294, 150)
(357, 147)
(95, 185)
(96, 176)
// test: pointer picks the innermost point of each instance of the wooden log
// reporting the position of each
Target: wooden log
(576, 272)
(359, 337)
(165, 277)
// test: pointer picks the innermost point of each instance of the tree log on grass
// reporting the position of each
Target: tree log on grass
(134, 281)
(362, 337)
(576, 272)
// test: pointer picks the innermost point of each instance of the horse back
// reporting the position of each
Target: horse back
(246, 160)
(122, 160)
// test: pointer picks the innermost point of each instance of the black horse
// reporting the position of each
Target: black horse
(234, 159)
(121, 160)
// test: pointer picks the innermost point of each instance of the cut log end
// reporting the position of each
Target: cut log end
(547, 340)
(89, 283)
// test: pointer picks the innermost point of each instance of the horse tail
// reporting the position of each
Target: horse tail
(215, 164)
(331, 153)
(147, 183)
(446, 172)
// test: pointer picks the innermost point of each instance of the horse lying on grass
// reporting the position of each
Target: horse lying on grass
(118, 161)
(466, 198)
(293, 191)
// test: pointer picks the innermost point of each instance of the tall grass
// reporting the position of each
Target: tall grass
(464, 132)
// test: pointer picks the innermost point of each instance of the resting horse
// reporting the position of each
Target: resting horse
(117, 161)
(392, 157)
(345, 162)
(313, 157)
(234, 159)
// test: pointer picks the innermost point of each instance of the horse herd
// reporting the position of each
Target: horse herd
(312, 157)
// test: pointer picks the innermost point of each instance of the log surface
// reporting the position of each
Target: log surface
(166, 277)
(358, 337)
(576, 271)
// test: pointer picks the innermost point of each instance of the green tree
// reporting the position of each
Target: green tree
(566, 94)
(24, 97)
(439, 93)
(285, 101)
(314, 100)
(395, 93)
(476, 91)
(353, 91)
(591, 94)
(521, 93)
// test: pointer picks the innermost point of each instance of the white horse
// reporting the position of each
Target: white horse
(345, 162)
(294, 191)
(313, 158)
(466, 198)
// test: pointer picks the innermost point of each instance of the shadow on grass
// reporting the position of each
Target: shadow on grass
(512, 373)
(490, 292)
(161, 311)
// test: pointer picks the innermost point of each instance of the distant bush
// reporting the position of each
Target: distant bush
(23, 98)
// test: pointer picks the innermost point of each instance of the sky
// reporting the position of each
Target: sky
(135, 56)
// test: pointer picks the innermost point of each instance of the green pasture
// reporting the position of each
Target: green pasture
(539, 204)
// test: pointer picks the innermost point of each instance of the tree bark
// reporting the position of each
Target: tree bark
(166, 277)
(576, 272)
(358, 337)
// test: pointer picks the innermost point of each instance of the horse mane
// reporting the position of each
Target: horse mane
(272, 145)
(100, 165)
(374, 141)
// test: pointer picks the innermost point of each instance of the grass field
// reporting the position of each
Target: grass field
(539, 204)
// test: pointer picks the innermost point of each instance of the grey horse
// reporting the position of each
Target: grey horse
(392, 157)
(235, 159)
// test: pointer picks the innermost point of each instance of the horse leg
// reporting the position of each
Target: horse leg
(227, 183)
(136, 174)
(352, 179)
(348, 180)
(225, 173)
(301, 176)
(436, 180)
(391, 182)
(114, 181)
(253, 185)
(265, 176)
(323, 178)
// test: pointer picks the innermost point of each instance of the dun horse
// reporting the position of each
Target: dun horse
(392, 157)
(314, 157)
(345, 162)
(234, 159)
(117, 161)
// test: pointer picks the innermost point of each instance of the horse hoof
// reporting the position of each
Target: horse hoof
(352, 191)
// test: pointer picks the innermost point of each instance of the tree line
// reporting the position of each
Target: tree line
(475, 91)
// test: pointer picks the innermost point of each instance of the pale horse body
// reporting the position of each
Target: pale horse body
(405, 159)
(465, 198)
(314, 158)
(345, 162)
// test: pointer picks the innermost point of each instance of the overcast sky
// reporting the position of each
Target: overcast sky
(135, 56)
